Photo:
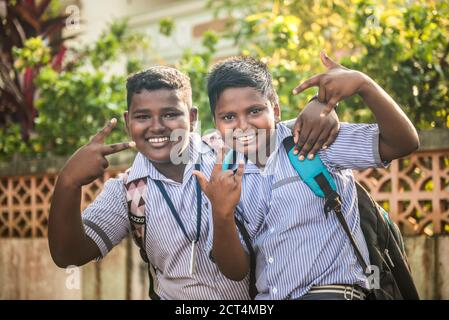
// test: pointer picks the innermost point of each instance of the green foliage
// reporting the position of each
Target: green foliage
(166, 26)
(406, 51)
(34, 53)
(74, 104)
(402, 44)
(30, 37)
(115, 41)
(288, 36)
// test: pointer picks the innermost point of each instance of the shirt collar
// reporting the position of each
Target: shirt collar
(271, 167)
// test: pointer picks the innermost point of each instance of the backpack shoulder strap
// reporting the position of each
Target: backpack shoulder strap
(135, 198)
(315, 174)
(309, 169)
(252, 258)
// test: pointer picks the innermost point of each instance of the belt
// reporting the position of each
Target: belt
(349, 292)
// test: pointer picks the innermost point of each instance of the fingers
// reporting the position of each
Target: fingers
(319, 143)
(297, 129)
(330, 105)
(303, 137)
(322, 93)
(310, 142)
(328, 62)
(103, 133)
(239, 173)
(311, 82)
(331, 138)
(202, 180)
(219, 162)
(104, 163)
(117, 147)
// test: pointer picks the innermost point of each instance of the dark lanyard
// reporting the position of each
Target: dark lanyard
(175, 213)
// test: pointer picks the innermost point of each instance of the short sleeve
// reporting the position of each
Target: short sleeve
(356, 147)
(106, 219)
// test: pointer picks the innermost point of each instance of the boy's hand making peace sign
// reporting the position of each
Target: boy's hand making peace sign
(89, 162)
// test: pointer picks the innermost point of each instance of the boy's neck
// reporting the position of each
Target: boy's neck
(261, 163)
(172, 171)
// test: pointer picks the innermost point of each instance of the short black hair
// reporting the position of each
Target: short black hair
(159, 77)
(239, 72)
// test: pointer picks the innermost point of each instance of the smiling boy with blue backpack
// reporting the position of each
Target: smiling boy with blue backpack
(306, 237)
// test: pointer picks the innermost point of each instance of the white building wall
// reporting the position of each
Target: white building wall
(145, 16)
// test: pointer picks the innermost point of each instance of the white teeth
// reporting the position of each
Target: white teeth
(158, 139)
(246, 138)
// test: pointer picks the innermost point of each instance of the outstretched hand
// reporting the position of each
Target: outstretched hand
(223, 188)
(89, 162)
(334, 85)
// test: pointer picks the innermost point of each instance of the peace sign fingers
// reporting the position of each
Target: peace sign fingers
(103, 133)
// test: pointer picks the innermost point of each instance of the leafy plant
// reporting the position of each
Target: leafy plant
(24, 28)
(402, 44)
(75, 102)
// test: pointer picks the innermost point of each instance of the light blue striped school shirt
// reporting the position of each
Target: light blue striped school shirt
(166, 246)
(296, 246)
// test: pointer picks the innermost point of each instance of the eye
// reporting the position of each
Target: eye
(255, 111)
(171, 115)
(228, 117)
(142, 116)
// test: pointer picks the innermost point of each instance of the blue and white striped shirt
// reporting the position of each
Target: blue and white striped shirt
(167, 248)
(296, 246)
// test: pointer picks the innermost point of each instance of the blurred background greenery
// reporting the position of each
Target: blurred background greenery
(55, 96)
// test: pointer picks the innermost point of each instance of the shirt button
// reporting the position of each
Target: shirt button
(270, 260)
(274, 290)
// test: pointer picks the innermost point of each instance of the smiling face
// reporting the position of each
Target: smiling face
(242, 115)
(152, 117)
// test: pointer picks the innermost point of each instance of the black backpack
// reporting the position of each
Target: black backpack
(386, 250)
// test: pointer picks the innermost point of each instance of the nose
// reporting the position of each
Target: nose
(156, 125)
(243, 124)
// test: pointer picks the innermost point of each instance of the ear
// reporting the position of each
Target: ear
(126, 117)
(193, 114)
(277, 111)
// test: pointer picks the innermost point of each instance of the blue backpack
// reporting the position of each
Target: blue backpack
(383, 238)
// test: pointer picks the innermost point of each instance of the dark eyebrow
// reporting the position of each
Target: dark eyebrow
(141, 111)
(257, 105)
(164, 109)
(225, 113)
(172, 109)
